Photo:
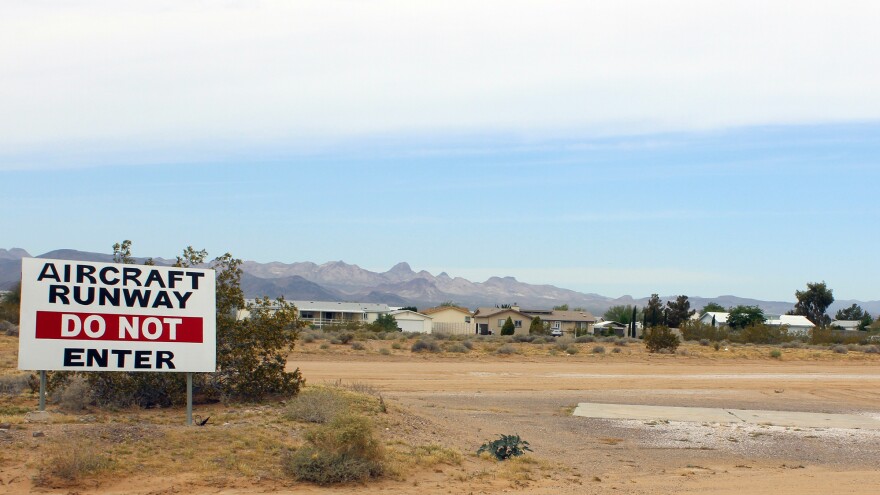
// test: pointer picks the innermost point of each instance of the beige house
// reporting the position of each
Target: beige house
(411, 321)
(570, 322)
(490, 320)
(451, 320)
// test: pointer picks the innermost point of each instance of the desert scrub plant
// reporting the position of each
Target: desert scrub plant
(13, 384)
(840, 349)
(74, 396)
(385, 351)
(458, 348)
(425, 346)
(506, 350)
(661, 337)
(344, 450)
(73, 464)
(396, 345)
(616, 350)
(316, 405)
(585, 339)
(598, 350)
(505, 447)
(571, 350)
(358, 346)
(775, 354)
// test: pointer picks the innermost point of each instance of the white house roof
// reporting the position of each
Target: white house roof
(720, 318)
(792, 321)
(411, 314)
(338, 307)
(609, 323)
(847, 324)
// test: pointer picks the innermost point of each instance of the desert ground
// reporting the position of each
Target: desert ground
(452, 402)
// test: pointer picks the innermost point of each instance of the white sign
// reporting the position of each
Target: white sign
(87, 316)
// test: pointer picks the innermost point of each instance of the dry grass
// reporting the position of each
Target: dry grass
(73, 464)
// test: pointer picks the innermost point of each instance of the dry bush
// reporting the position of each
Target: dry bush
(74, 396)
(9, 328)
(425, 346)
(13, 384)
(598, 350)
(71, 464)
(344, 450)
(316, 405)
(506, 350)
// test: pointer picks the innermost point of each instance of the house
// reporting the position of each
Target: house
(848, 325)
(715, 319)
(580, 322)
(489, 321)
(412, 321)
(610, 327)
(797, 324)
(319, 314)
(451, 320)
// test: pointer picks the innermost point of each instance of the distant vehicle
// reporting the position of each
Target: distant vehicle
(556, 333)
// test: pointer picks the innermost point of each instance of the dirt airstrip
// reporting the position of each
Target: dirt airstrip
(460, 401)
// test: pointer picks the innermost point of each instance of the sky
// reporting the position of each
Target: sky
(612, 147)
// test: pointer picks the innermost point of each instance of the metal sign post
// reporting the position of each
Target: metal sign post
(42, 390)
(189, 399)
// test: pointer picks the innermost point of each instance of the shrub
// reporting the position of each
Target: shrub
(74, 396)
(598, 350)
(696, 330)
(358, 346)
(761, 333)
(458, 348)
(325, 346)
(540, 340)
(523, 338)
(508, 328)
(871, 349)
(468, 344)
(839, 349)
(73, 463)
(704, 342)
(316, 405)
(661, 337)
(505, 447)
(616, 350)
(506, 349)
(384, 351)
(396, 345)
(621, 342)
(585, 339)
(717, 346)
(345, 338)
(425, 345)
(9, 328)
(571, 350)
(344, 450)
(776, 354)
(13, 384)
(308, 338)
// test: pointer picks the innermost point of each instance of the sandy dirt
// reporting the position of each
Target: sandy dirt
(463, 400)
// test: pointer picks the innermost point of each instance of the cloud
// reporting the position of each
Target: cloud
(261, 72)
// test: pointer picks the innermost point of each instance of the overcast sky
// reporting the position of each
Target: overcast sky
(617, 147)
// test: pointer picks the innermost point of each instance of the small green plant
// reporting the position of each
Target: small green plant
(505, 447)
(344, 450)
(776, 354)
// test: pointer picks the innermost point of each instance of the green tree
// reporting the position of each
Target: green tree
(410, 308)
(713, 307)
(561, 307)
(813, 302)
(508, 328)
(661, 337)
(855, 313)
(122, 252)
(621, 314)
(744, 316)
(654, 312)
(384, 323)
(678, 311)
(537, 327)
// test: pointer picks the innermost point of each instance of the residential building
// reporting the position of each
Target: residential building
(452, 320)
(489, 321)
(412, 321)
(609, 327)
(580, 322)
(323, 313)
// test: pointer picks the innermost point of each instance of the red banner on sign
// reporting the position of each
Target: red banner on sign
(92, 326)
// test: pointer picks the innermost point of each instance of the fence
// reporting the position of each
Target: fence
(453, 328)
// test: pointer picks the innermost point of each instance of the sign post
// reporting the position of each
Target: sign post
(89, 316)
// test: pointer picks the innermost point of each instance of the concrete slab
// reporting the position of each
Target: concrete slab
(721, 415)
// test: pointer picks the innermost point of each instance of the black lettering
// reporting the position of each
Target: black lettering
(77, 295)
(164, 357)
(67, 274)
(96, 357)
(154, 276)
(59, 293)
(162, 299)
(136, 297)
(73, 357)
(108, 296)
(48, 271)
(181, 298)
(103, 275)
(120, 357)
(174, 277)
(194, 279)
(85, 272)
(142, 359)
(130, 274)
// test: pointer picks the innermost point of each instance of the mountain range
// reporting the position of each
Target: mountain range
(402, 286)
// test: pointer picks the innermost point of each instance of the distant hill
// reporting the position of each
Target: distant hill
(402, 286)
